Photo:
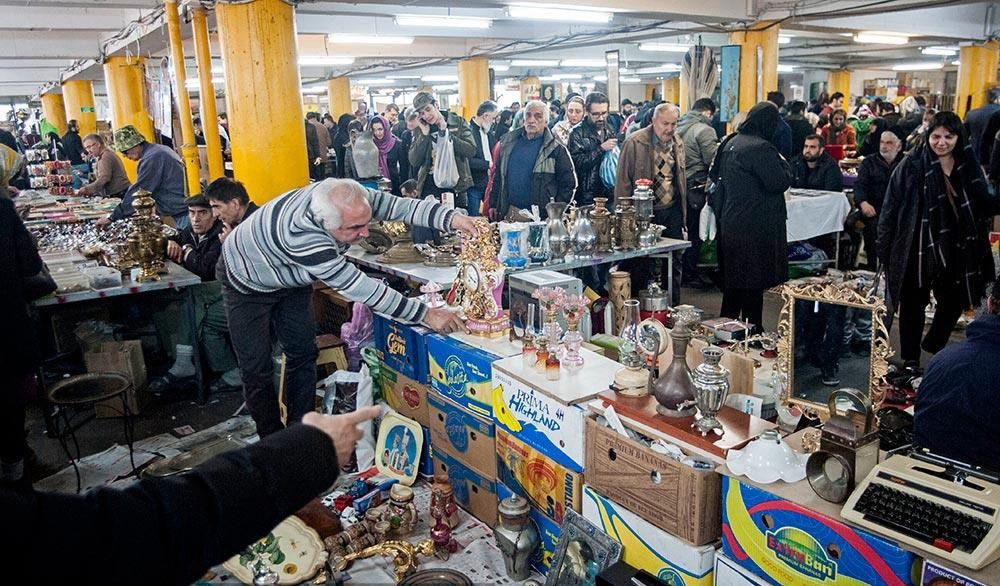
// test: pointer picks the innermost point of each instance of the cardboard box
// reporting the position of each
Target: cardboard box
(729, 573)
(402, 347)
(675, 497)
(470, 437)
(126, 359)
(937, 575)
(786, 543)
(647, 547)
(528, 407)
(473, 492)
(550, 487)
(405, 395)
(461, 373)
(548, 534)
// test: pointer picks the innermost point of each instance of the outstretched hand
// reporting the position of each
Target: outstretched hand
(342, 429)
(469, 225)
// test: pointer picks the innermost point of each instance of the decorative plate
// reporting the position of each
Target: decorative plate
(398, 449)
(292, 550)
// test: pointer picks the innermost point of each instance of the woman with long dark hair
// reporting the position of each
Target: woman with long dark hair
(933, 235)
(341, 137)
(751, 178)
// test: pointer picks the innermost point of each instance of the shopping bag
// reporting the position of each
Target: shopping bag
(609, 168)
(445, 167)
(706, 223)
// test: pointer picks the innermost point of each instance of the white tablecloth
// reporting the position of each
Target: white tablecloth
(814, 215)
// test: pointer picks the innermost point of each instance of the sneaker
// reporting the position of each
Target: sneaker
(830, 377)
(168, 382)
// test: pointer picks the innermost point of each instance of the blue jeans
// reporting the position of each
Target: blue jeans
(475, 195)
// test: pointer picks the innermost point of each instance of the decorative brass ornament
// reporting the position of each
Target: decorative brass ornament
(478, 290)
(839, 290)
(404, 555)
(146, 244)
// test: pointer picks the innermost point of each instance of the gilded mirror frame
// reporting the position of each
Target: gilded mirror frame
(839, 292)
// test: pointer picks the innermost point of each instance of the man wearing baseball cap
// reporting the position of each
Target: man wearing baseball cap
(434, 125)
(160, 172)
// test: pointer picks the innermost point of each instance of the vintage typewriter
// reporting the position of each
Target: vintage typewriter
(947, 508)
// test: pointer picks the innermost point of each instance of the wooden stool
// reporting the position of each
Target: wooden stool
(332, 351)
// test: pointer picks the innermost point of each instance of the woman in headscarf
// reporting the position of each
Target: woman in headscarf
(502, 125)
(341, 137)
(573, 115)
(862, 125)
(389, 151)
(11, 163)
(838, 131)
(933, 235)
(751, 179)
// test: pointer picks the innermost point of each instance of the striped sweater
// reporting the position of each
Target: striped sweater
(283, 245)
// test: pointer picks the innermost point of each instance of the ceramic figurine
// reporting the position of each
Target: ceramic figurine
(516, 537)
(432, 294)
(401, 512)
(443, 502)
(444, 543)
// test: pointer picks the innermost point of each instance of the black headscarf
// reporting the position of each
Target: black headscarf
(343, 134)
(761, 121)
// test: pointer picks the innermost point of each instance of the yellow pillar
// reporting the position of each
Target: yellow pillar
(54, 111)
(126, 81)
(840, 81)
(752, 89)
(473, 84)
(671, 89)
(78, 95)
(650, 90)
(338, 90)
(683, 92)
(189, 149)
(262, 84)
(206, 94)
(531, 89)
(977, 72)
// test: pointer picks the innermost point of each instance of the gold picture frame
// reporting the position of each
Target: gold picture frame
(839, 291)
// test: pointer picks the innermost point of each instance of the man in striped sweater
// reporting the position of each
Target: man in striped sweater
(270, 261)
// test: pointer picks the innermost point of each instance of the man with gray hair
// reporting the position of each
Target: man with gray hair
(870, 186)
(656, 154)
(270, 261)
(532, 169)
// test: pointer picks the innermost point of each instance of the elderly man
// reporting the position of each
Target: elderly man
(870, 186)
(657, 154)
(533, 168)
(160, 172)
(270, 261)
(434, 125)
(110, 179)
(588, 143)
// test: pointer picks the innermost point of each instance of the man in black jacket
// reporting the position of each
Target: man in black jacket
(73, 144)
(588, 143)
(170, 530)
(815, 169)
(532, 168)
(230, 203)
(869, 188)
(480, 162)
(801, 128)
(197, 248)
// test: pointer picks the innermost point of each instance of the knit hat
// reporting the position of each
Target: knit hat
(127, 137)
(197, 201)
(421, 100)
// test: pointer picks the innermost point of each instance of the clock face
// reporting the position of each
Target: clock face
(472, 277)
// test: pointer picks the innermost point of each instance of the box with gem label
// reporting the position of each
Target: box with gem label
(402, 347)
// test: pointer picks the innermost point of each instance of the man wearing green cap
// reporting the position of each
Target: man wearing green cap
(434, 125)
(160, 172)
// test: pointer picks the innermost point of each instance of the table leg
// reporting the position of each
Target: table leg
(670, 277)
(61, 434)
(129, 431)
(196, 353)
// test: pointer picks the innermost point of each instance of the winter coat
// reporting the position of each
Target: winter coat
(636, 162)
(700, 144)
(782, 139)
(585, 149)
(826, 176)
(801, 128)
(73, 147)
(845, 136)
(19, 260)
(205, 252)
(750, 207)
(478, 164)
(422, 149)
(552, 179)
(900, 218)
(873, 179)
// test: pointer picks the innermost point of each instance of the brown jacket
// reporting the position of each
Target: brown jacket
(636, 162)
(110, 177)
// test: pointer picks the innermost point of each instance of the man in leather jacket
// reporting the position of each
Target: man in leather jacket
(588, 143)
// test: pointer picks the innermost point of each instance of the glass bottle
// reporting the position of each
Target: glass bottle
(541, 354)
(528, 348)
(630, 321)
(552, 367)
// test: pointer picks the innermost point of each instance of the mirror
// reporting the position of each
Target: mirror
(832, 335)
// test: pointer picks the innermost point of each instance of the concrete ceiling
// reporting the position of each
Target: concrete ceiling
(43, 41)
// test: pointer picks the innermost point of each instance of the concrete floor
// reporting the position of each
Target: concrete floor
(163, 415)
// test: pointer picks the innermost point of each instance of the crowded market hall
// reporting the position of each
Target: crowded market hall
(561, 293)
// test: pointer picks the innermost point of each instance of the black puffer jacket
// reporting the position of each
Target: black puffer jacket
(826, 176)
(873, 179)
(585, 149)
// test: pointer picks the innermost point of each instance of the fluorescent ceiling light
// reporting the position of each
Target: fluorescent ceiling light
(666, 47)
(350, 38)
(582, 63)
(881, 38)
(195, 82)
(535, 62)
(665, 68)
(784, 40)
(564, 14)
(956, 62)
(325, 60)
(442, 88)
(942, 51)
(375, 81)
(500, 68)
(314, 91)
(924, 66)
(570, 76)
(443, 21)
(600, 78)
(402, 76)
(785, 68)
(630, 80)
(439, 77)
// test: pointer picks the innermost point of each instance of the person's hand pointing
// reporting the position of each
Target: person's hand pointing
(342, 429)
(468, 225)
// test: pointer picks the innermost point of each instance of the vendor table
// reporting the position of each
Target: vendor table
(422, 273)
(813, 213)
(177, 277)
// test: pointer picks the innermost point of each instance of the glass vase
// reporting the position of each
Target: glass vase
(630, 322)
